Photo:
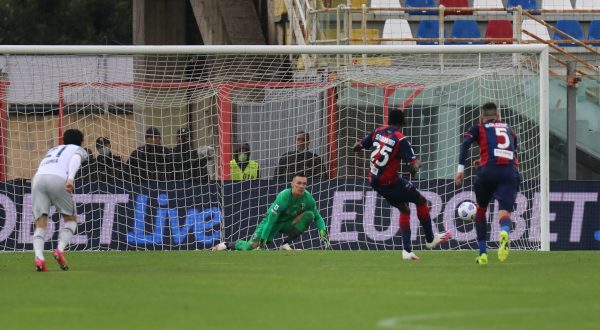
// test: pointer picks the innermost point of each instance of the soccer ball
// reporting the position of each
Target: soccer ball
(466, 211)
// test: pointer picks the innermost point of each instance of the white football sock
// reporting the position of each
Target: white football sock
(38, 242)
(65, 235)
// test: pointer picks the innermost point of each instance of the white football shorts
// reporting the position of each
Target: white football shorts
(47, 190)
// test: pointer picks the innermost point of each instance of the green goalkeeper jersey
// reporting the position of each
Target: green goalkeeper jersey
(285, 209)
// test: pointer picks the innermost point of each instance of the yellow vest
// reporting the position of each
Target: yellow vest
(249, 173)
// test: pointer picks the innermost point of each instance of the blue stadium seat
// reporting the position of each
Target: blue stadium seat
(428, 29)
(465, 29)
(570, 27)
(594, 32)
(525, 4)
(421, 4)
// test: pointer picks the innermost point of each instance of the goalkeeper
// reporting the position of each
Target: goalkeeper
(293, 211)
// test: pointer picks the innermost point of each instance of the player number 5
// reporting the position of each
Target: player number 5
(501, 131)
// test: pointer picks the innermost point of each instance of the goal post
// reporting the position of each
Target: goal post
(228, 96)
(3, 86)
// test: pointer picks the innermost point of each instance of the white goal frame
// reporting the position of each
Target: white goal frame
(540, 50)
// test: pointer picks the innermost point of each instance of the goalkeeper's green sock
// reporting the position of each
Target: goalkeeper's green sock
(243, 246)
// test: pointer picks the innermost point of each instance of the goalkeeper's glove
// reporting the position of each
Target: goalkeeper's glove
(324, 239)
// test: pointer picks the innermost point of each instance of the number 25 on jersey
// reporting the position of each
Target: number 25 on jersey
(376, 156)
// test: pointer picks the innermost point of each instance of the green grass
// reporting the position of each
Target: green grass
(301, 290)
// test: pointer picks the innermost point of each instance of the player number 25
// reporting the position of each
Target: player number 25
(384, 151)
(501, 131)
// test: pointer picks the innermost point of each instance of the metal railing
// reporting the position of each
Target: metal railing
(308, 23)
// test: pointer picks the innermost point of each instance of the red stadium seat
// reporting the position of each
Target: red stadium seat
(456, 3)
(499, 29)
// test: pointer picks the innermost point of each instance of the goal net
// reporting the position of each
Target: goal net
(189, 145)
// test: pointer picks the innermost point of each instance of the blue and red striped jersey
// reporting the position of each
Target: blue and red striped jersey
(497, 143)
(388, 148)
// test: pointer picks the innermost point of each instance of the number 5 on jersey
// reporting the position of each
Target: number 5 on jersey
(500, 150)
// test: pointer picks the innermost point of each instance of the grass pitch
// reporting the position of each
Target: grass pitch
(301, 290)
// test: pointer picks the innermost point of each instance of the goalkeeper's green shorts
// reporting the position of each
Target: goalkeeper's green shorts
(279, 227)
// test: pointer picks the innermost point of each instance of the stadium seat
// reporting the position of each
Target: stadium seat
(456, 3)
(370, 35)
(556, 4)
(594, 32)
(587, 4)
(538, 29)
(327, 34)
(488, 4)
(499, 29)
(428, 29)
(355, 3)
(421, 4)
(397, 28)
(570, 27)
(386, 4)
(525, 4)
(465, 29)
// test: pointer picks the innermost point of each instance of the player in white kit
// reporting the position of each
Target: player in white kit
(52, 185)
